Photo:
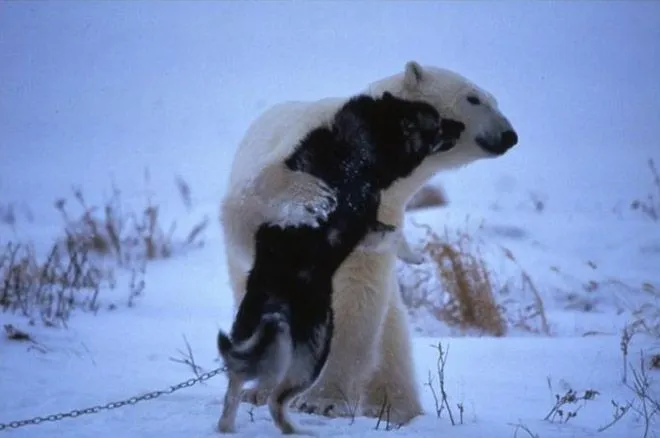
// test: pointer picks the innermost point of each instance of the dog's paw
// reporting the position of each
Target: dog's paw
(225, 426)
(307, 200)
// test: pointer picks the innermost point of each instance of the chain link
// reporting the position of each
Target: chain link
(112, 405)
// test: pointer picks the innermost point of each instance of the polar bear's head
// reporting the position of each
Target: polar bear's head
(488, 132)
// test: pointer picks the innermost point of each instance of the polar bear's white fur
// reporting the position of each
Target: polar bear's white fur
(370, 356)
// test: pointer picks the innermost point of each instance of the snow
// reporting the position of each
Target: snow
(116, 354)
(96, 92)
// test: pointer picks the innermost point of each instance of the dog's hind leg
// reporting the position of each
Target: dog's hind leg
(278, 404)
(227, 422)
(275, 365)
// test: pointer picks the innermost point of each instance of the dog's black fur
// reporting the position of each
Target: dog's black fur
(283, 328)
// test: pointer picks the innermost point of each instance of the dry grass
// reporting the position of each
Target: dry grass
(188, 358)
(467, 279)
(14, 334)
(646, 322)
(440, 396)
(647, 316)
(127, 235)
(462, 290)
(11, 213)
(51, 289)
(530, 317)
(654, 362)
(650, 206)
(8, 214)
(97, 243)
(644, 402)
(519, 426)
(467, 298)
(568, 405)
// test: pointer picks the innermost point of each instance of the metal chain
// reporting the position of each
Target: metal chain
(112, 405)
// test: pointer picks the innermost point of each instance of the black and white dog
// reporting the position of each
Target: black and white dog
(282, 331)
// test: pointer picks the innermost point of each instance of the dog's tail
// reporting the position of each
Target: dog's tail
(249, 357)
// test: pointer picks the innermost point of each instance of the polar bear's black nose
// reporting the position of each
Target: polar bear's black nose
(509, 139)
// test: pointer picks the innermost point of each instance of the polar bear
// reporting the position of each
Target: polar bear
(370, 360)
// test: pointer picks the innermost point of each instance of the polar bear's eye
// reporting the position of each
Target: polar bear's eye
(473, 100)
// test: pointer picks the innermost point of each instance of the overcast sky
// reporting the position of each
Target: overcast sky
(94, 89)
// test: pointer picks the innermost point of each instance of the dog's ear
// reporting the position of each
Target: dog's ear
(388, 96)
(449, 133)
(451, 129)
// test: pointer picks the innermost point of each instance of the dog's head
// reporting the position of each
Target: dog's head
(415, 131)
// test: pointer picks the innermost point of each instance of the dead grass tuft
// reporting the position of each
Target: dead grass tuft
(645, 321)
(654, 362)
(96, 242)
(14, 334)
(569, 404)
(647, 315)
(530, 317)
(469, 298)
(646, 403)
(466, 277)
(127, 235)
(519, 426)
(8, 214)
(650, 206)
(440, 396)
(11, 213)
(461, 289)
(67, 279)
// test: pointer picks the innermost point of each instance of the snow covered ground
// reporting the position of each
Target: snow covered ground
(96, 91)
(500, 381)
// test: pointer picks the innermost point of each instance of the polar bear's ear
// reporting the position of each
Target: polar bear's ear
(413, 75)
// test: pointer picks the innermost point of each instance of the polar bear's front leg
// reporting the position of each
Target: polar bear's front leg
(384, 237)
(292, 198)
(380, 238)
(359, 305)
(394, 383)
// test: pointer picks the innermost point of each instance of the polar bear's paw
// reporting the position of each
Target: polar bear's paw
(328, 407)
(304, 200)
(406, 254)
(412, 258)
(396, 415)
